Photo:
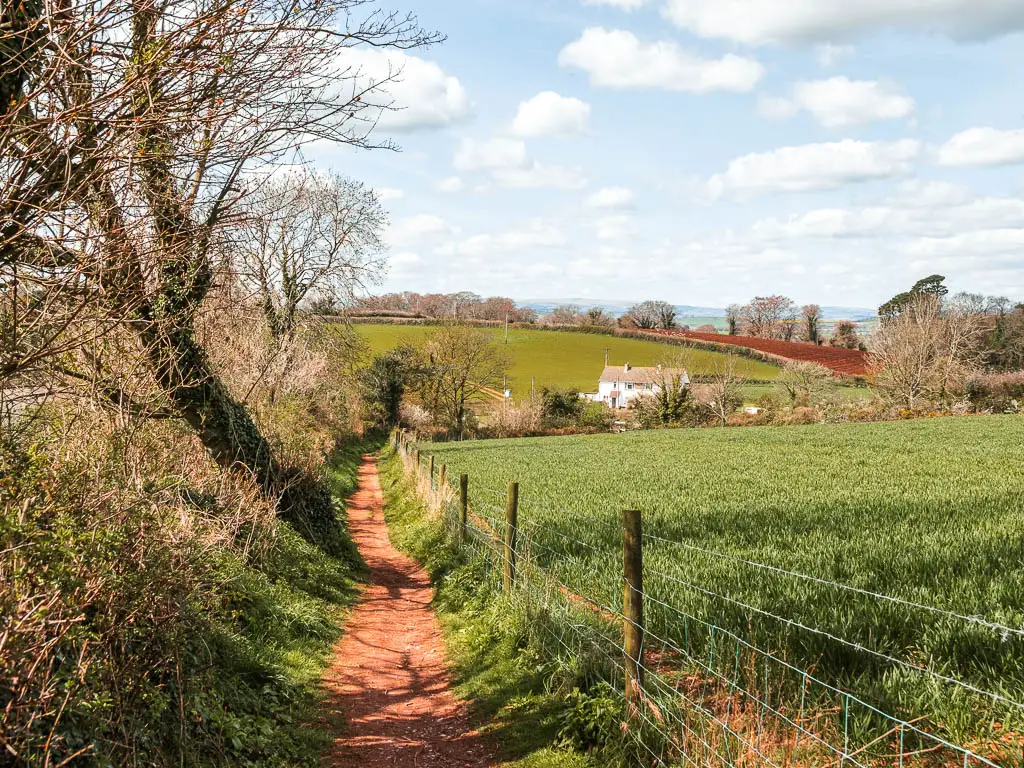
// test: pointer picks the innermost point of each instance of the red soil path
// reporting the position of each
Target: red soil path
(851, 362)
(388, 677)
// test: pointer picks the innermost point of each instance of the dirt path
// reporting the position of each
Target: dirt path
(388, 678)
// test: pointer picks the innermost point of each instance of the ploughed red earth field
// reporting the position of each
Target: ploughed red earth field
(851, 362)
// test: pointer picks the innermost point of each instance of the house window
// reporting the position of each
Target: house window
(648, 385)
(629, 385)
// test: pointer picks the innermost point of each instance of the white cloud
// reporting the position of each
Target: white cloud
(449, 185)
(534, 235)
(611, 198)
(757, 22)
(815, 167)
(418, 92)
(829, 54)
(622, 5)
(882, 222)
(983, 146)
(412, 230)
(925, 193)
(510, 165)
(387, 194)
(551, 115)
(618, 59)
(839, 102)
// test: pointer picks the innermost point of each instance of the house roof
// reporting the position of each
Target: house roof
(640, 374)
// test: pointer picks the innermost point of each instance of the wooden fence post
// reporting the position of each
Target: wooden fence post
(416, 455)
(442, 476)
(431, 476)
(633, 607)
(511, 513)
(463, 506)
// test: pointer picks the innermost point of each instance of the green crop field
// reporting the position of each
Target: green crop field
(563, 358)
(930, 512)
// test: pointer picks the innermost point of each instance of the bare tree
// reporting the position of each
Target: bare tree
(309, 235)
(924, 354)
(462, 303)
(845, 335)
(723, 387)
(653, 314)
(598, 316)
(126, 131)
(734, 317)
(768, 316)
(811, 315)
(804, 381)
(565, 314)
(459, 363)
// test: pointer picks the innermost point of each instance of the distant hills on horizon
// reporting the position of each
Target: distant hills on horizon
(543, 306)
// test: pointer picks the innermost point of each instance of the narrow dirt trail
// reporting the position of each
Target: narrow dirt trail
(388, 679)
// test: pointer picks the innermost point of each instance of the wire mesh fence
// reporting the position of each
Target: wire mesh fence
(715, 686)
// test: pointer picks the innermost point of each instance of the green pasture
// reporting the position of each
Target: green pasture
(565, 359)
(930, 512)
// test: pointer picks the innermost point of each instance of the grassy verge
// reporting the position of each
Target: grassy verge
(518, 698)
(141, 627)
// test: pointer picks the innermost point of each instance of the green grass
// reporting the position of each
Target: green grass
(931, 511)
(497, 669)
(565, 359)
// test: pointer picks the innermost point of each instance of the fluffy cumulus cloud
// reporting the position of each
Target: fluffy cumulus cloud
(983, 146)
(618, 59)
(812, 167)
(550, 115)
(757, 22)
(510, 165)
(840, 102)
(611, 198)
(416, 93)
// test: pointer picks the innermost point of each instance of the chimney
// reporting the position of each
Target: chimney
(626, 367)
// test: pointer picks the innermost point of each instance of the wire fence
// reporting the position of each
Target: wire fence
(710, 686)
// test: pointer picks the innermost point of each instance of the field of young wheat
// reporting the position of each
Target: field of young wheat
(886, 560)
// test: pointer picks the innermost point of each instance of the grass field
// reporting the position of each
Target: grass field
(929, 511)
(565, 359)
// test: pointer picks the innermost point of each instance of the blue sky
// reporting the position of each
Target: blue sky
(704, 151)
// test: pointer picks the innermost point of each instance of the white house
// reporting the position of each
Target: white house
(621, 384)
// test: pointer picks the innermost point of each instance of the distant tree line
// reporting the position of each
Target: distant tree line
(462, 305)
(779, 317)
